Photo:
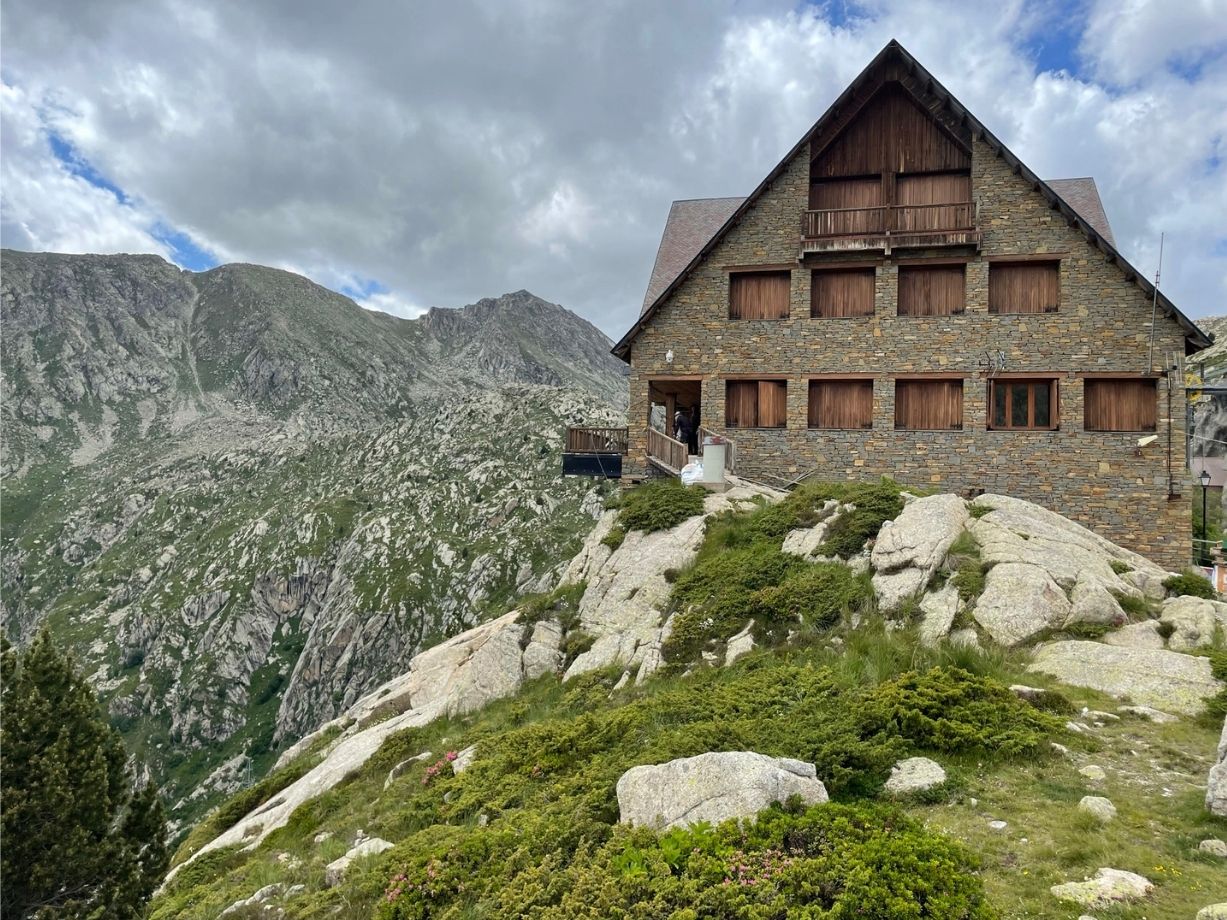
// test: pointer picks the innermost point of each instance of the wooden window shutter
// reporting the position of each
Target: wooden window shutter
(929, 405)
(937, 290)
(933, 188)
(1120, 404)
(741, 404)
(841, 404)
(772, 404)
(759, 295)
(839, 293)
(1024, 287)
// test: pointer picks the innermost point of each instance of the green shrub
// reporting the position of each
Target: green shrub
(614, 538)
(946, 709)
(831, 861)
(1190, 583)
(1120, 568)
(659, 505)
(816, 595)
(716, 596)
(575, 644)
(969, 579)
(1135, 607)
(561, 604)
(978, 511)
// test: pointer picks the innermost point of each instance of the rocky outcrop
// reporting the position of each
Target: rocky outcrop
(1165, 680)
(335, 871)
(1106, 888)
(627, 595)
(909, 550)
(488, 662)
(1020, 601)
(1216, 785)
(713, 787)
(915, 774)
(1193, 622)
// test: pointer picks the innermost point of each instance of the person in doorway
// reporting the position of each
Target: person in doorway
(682, 428)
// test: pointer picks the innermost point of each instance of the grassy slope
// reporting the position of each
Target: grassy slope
(579, 737)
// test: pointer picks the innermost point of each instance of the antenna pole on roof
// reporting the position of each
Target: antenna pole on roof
(1154, 310)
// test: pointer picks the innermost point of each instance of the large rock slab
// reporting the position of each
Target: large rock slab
(1193, 621)
(910, 548)
(1106, 888)
(713, 787)
(1151, 677)
(1137, 635)
(1020, 531)
(463, 674)
(1019, 602)
(1216, 787)
(938, 610)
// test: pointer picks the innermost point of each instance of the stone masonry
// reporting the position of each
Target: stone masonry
(1103, 480)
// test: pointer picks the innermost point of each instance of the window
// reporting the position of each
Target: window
(755, 404)
(1120, 404)
(929, 405)
(842, 292)
(758, 295)
(841, 404)
(932, 290)
(1015, 404)
(1024, 287)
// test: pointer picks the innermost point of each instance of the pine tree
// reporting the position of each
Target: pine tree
(79, 841)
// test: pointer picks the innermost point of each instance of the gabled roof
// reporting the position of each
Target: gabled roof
(894, 53)
(691, 223)
(1083, 196)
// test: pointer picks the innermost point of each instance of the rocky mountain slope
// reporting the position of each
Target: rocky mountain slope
(246, 501)
(932, 677)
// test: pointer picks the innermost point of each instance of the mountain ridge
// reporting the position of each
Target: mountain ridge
(243, 499)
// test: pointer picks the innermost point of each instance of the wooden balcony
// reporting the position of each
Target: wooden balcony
(596, 440)
(887, 227)
(594, 452)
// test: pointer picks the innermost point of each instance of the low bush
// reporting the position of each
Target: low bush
(969, 579)
(659, 505)
(1136, 608)
(830, 861)
(816, 596)
(716, 596)
(1119, 567)
(1190, 583)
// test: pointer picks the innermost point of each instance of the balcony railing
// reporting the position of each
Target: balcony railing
(596, 440)
(887, 226)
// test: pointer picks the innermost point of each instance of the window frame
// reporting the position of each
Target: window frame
(757, 381)
(1151, 380)
(1038, 260)
(1007, 381)
(919, 379)
(738, 273)
(869, 270)
(815, 382)
(934, 265)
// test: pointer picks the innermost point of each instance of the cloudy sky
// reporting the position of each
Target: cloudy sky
(433, 153)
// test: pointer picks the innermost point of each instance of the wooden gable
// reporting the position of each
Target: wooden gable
(891, 132)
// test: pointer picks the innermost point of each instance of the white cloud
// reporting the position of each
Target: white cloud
(390, 302)
(45, 206)
(456, 149)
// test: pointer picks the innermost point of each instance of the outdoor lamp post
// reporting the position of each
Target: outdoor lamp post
(1205, 484)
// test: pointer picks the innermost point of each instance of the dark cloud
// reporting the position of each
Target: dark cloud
(454, 150)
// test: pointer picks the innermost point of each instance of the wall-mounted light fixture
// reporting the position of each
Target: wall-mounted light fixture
(669, 356)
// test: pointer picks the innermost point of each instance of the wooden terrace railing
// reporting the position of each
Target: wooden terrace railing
(667, 451)
(883, 219)
(596, 440)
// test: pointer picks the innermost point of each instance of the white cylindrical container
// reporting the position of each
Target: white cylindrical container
(713, 459)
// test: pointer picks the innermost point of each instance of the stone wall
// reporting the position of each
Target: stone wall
(1100, 479)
